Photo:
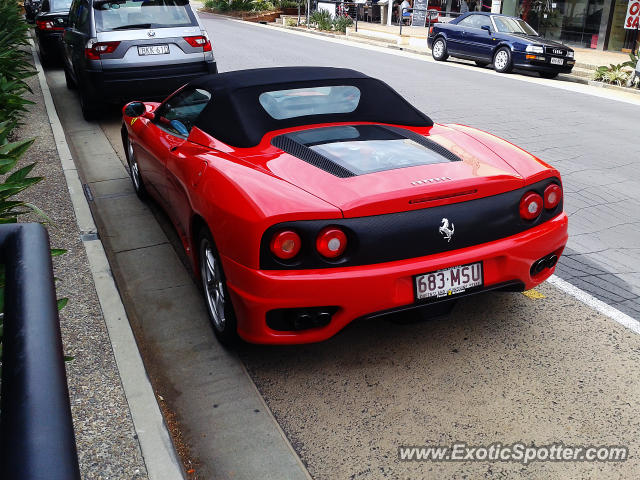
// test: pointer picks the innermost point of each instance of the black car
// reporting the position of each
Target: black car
(31, 8)
(507, 42)
(50, 23)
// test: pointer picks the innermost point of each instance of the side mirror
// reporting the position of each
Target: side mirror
(135, 109)
(487, 28)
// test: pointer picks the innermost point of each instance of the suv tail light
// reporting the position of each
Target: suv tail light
(48, 26)
(94, 49)
(552, 196)
(530, 206)
(331, 242)
(285, 244)
(199, 41)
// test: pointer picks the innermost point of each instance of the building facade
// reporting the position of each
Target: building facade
(597, 24)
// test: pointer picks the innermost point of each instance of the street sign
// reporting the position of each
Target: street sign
(419, 18)
(633, 15)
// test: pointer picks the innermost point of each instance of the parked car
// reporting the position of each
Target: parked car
(117, 50)
(304, 202)
(50, 23)
(31, 8)
(507, 42)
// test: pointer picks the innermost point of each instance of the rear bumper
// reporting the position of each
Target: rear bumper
(145, 83)
(363, 291)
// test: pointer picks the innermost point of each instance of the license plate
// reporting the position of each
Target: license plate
(153, 50)
(449, 281)
(557, 61)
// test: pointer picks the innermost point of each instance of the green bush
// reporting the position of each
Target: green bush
(341, 23)
(321, 19)
(262, 6)
(289, 4)
(14, 66)
(621, 74)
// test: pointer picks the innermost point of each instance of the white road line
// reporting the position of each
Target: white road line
(158, 452)
(607, 94)
(598, 305)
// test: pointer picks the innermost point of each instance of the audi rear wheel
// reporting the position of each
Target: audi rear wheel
(439, 50)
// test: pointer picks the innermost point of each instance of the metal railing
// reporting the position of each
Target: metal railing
(36, 431)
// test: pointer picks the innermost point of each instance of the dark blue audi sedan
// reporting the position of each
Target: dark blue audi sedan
(507, 42)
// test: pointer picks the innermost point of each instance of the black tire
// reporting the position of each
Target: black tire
(45, 59)
(71, 85)
(439, 49)
(214, 288)
(134, 170)
(481, 64)
(502, 60)
(548, 75)
(89, 105)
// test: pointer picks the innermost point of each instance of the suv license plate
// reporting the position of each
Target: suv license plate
(557, 61)
(153, 50)
(449, 281)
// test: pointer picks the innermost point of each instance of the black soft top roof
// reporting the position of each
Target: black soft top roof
(234, 115)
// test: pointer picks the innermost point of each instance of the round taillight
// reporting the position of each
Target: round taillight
(331, 242)
(530, 206)
(285, 244)
(552, 196)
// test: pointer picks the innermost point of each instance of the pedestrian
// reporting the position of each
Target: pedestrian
(404, 10)
(464, 8)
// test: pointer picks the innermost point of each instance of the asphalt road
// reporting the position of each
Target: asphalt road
(502, 367)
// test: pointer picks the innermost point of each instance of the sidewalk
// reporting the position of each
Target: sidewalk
(106, 438)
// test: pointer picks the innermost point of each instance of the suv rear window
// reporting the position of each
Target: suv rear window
(134, 14)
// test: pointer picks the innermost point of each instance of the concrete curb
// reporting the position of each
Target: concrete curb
(159, 455)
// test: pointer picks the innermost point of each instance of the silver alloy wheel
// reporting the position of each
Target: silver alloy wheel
(213, 284)
(501, 60)
(438, 48)
(133, 165)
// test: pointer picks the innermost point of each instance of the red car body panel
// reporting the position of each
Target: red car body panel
(240, 192)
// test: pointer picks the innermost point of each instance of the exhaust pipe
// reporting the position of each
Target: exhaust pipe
(545, 262)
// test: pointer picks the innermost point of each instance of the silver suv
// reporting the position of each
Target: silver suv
(117, 50)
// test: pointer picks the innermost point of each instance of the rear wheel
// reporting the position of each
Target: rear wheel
(439, 50)
(502, 61)
(548, 74)
(134, 168)
(214, 287)
(89, 105)
(71, 85)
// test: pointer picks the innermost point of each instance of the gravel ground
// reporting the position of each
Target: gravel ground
(107, 443)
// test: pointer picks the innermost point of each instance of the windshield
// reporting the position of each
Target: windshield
(60, 5)
(513, 25)
(124, 15)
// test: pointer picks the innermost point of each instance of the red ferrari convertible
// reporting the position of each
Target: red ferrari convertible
(307, 197)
